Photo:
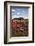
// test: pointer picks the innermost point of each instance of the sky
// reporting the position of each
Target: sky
(19, 12)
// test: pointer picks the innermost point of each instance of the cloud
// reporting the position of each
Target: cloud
(18, 13)
(13, 9)
(25, 17)
(15, 16)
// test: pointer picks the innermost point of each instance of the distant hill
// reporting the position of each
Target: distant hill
(18, 18)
